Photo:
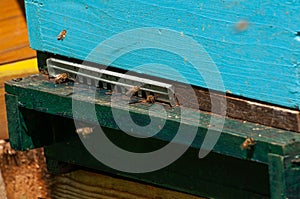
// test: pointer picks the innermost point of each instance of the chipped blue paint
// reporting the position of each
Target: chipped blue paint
(261, 62)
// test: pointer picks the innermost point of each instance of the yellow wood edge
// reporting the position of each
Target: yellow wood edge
(20, 68)
(7, 72)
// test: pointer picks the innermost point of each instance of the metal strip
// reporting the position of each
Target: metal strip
(87, 74)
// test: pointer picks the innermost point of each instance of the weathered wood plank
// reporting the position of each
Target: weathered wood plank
(284, 174)
(55, 121)
(34, 98)
(277, 176)
(188, 174)
(292, 176)
(84, 185)
(247, 110)
(38, 94)
(260, 62)
(15, 117)
(13, 33)
(3, 121)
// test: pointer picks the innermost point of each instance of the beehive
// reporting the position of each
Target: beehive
(245, 49)
(254, 45)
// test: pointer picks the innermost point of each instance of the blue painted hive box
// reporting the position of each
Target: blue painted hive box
(247, 48)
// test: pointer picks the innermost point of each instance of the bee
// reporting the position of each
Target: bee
(248, 144)
(61, 78)
(150, 99)
(241, 25)
(62, 35)
(132, 91)
(85, 131)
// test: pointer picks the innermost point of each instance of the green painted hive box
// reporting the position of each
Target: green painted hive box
(200, 97)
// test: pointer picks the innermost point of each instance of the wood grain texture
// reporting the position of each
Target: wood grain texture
(37, 93)
(8, 72)
(277, 176)
(13, 33)
(84, 185)
(3, 121)
(14, 46)
(284, 176)
(203, 177)
(35, 96)
(292, 178)
(260, 62)
(247, 110)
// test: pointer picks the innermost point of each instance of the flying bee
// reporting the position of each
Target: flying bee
(62, 35)
(61, 78)
(132, 91)
(241, 25)
(85, 131)
(248, 144)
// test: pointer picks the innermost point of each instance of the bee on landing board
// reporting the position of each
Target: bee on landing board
(248, 144)
(61, 78)
(150, 99)
(62, 35)
(132, 91)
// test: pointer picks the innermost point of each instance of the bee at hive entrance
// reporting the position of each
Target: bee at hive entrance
(61, 78)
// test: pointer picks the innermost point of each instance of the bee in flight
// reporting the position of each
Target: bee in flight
(85, 131)
(248, 144)
(62, 35)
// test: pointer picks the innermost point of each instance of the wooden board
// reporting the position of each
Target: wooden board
(37, 105)
(202, 177)
(14, 47)
(84, 185)
(8, 72)
(257, 60)
(13, 33)
(188, 174)
(38, 93)
(245, 109)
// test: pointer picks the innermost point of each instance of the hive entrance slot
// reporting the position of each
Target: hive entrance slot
(110, 80)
